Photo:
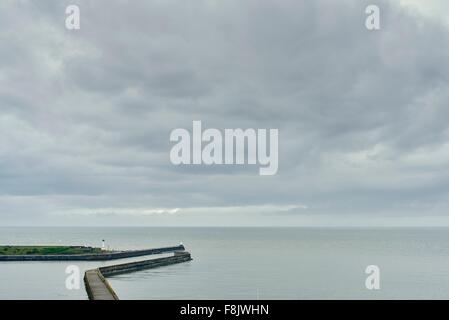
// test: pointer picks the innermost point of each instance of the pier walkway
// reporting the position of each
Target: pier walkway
(98, 288)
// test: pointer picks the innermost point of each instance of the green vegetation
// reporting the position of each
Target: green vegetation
(47, 250)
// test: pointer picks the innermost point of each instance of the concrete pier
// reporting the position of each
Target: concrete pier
(93, 256)
(98, 288)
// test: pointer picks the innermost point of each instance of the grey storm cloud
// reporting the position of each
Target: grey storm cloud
(86, 115)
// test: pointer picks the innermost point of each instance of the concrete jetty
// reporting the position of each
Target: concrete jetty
(98, 288)
(92, 256)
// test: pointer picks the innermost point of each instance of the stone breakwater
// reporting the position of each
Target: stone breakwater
(98, 288)
(92, 256)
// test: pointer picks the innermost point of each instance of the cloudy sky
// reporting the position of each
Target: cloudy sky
(86, 115)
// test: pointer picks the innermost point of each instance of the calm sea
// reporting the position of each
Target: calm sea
(246, 263)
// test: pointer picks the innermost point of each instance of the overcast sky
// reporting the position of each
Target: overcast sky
(86, 115)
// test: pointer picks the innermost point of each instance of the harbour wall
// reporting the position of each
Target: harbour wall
(92, 256)
(98, 288)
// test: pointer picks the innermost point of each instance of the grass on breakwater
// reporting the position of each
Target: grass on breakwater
(48, 250)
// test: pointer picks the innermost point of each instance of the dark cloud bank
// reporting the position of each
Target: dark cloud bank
(86, 115)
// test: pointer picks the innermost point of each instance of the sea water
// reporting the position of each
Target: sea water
(245, 263)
